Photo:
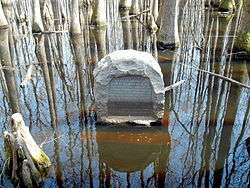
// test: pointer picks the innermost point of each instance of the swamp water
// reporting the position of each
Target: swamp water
(205, 123)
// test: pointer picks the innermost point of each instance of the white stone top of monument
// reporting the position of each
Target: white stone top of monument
(129, 62)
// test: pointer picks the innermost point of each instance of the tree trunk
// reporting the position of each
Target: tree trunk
(37, 27)
(5, 59)
(124, 7)
(168, 23)
(28, 164)
(99, 13)
(135, 24)
(78, 44)
(242, 41)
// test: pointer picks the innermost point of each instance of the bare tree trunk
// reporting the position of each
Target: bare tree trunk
(78, 43)
(6, 62)
(99, 13)
(37, 26)
(155, 9)
(168, 23)
(135, 24)
(48, 22)
(124, 7)
(9, 13)
(242, 41)
(100, 38)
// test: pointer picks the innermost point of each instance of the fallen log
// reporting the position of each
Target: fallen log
(27, 164)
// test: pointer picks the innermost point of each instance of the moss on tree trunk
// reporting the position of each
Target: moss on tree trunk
(27, 163)
(242, 41)
(227, 5)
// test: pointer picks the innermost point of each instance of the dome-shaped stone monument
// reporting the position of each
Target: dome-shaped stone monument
(129, 87)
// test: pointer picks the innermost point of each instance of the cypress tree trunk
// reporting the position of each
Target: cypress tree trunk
(5, 59)
(99, 13)
(242, 41)
(135, 25)
(168, 34)
(100, 38)
(28, 164)
(78, 43)
(124, 7)
(37, 27)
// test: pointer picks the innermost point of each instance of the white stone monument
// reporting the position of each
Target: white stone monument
(129, 87)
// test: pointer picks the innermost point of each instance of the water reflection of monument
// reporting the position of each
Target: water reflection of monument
(126, 151)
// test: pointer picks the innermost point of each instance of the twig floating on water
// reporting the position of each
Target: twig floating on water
(174, 85)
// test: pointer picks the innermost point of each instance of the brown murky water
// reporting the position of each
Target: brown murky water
(205, 124)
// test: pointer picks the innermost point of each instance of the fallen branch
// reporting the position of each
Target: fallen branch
(174, 85)
(49, 141)
(219, 76)
(50, 32)
(243, 52)
(136, 15)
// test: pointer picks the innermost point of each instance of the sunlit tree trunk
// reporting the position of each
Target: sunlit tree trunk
(6, 62)
(28, 164)
(48, 22)
(134, 24)
(243, 38)
(100, 26)
(78, 43)
(155, 9)
(168, 23)
(37, 27)
(100, 39)
(99, 13)
(124, 8)
(9, 13)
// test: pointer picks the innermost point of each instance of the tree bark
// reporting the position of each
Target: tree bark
(242, 41)
(37, 26)
(78, 44)
(168, 23)
(28, 164)
(5, 59)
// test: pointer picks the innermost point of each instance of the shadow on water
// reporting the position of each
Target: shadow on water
(205, 121)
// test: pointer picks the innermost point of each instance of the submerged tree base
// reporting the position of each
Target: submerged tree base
(227, 5)
(223, 5)
(243, 42)
(167, 46)
(26, 163)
